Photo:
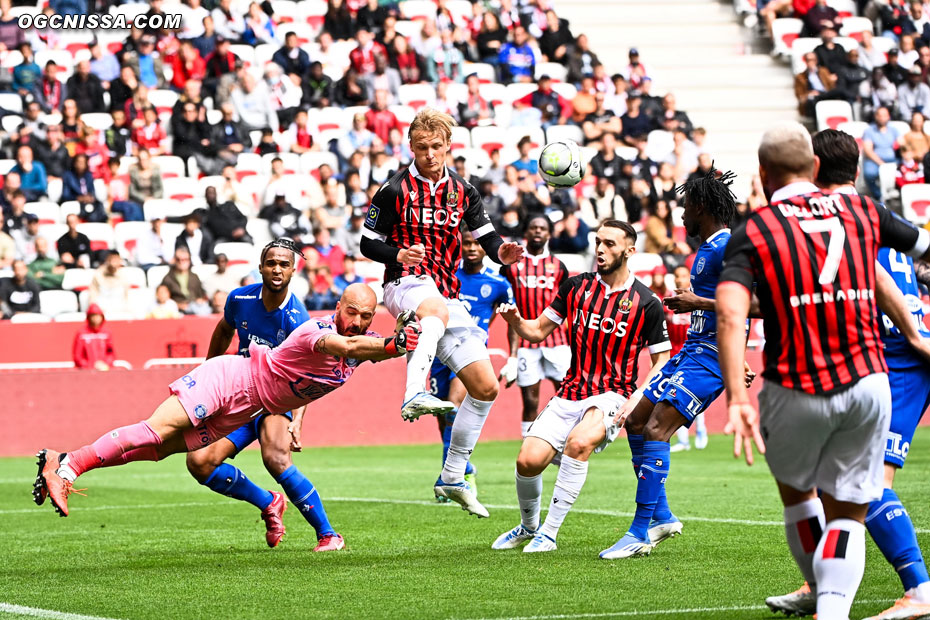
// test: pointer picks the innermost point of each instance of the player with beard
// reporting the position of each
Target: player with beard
(264, 313)
(535, 280)
(219, 396)
(611, 317)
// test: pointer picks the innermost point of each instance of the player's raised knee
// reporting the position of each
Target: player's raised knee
(200, 465)
(276, 460)
(579, 446)
(434, 306)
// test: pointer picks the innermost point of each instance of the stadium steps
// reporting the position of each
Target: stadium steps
(698, 50)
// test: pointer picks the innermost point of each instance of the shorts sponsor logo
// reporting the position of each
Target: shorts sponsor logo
(895, 445)
(485, 290)
(188, 381)
(200, 412)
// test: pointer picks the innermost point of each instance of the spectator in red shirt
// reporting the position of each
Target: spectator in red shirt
(98, 155)
(187, 65)
(93, 345)
(555, 108)
(407, 62)
(381, 120)
(910, 170)
(363, 56)
(330, 255)
(150, 135)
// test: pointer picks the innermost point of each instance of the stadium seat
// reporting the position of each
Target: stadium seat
(514, 134)
(312, 160)
(77, 279)
(129, 10)
(370, 270)
(903, 127)
(259, 231)
(163, 99)
(854, 128)
(238, 253)
(576, 263)
(566, 89)
(53, 303)
(519, 89)
(644, 263)
(264, 52)
(299, 287)
(135, 276)
(915, 203)
(245, 53)
(886, 181)
(203, 183)
(485, 72)
(312, 12)
(831, 113)
(11, 122)
(63, 58)
(847, 43)
(126, 235)
(47, 212)
(250, 161)
(417, 95)
(164, 207)
(554, 70)
(557, 133)
(461, 138)
(204, 270)
(417, 9)
(404, 113)
(284, 11)
(70, 317)
(304, 31)
(170, 165)
(100, 235)
(785, 31)
(291, 162)
(801, 47)
(178, 188)
(845, 8)
(488, 138)
(156, 274)
(855, 26)
(140, 300)
(100, 121)
(54, 188)
(30, 317)
(11, 102)
(659, 144)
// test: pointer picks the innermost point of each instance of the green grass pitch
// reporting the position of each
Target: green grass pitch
(149, 542)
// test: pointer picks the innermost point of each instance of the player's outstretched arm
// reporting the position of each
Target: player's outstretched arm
(535, 330)
(892, 302)
(368, 347)
(686, 301)
(221, 338)
(509, 371)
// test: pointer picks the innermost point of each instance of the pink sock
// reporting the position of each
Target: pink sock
(137, 442)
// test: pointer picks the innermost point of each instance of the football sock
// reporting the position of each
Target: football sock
(529, 492)
(652, 474)
(893, 532)
(636, 449)
(447, 435)
(228, 480)
(803, 527)
(572, 474)
(419, 362)
(699, 423)
(136, 442)
(838, 565)
(303, 495)
(524, 428)
(682, 435)
(662, 511)
(468, 424)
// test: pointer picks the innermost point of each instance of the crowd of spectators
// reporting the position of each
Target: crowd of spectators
(239, 83)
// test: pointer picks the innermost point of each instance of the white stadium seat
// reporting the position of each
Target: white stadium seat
(831, 113)
(57, 302)
(915, 203)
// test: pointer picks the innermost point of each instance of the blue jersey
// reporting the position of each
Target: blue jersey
(246, 312)
(898, 353)
(482, 292)
(705, 273)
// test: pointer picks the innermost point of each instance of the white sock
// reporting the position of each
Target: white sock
(465, 431)
(524, 428)
(572, 474)
(803, 527)
(699, 421)
(839, 563)
(682, 434)
(529, 492)
(64, 471)
(920, 593)
(419, 362)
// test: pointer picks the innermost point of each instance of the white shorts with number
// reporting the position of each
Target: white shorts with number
(534, 365)
(835, 443)
(560, 416)
(462, 343)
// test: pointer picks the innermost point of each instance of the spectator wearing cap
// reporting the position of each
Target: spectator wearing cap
(45, 268)
(634, 124)
(461, 169)
(150, 248)
(25, 238)
(33, 179)
(554, 108)
(196, 240)
(291, 58)
(581, 60)
(819, 17)
(517, 60)
(362, 58)
(86, 89)
(878, 147)
(48, 91)
(27, 73)
(227, 22)
(317, 87)
(349, 236)
(285, 220)
(830, 54)
(913, 95)
(19, 294)
(635, 72)
(184, 285)
(147, 63)
(379, 119)
(78, 185)
(259, 29)
(222, 61)
(73, 246)
(893, 70)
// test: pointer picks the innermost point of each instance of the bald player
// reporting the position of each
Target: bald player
(225, 392)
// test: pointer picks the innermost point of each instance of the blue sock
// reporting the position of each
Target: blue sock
(652, 474)
(229, 481)
(662, 511)
(302, 494)
(447, 439)
(893, 533)
(636, 449)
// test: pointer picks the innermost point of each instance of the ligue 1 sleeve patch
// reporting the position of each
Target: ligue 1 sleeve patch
(372, 217)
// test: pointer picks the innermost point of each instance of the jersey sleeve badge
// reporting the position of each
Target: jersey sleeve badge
(372, 218)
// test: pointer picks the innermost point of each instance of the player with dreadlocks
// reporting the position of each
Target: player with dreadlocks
(292, 361)
(691, 380)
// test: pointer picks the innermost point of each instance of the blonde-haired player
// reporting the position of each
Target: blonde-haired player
(412, 226)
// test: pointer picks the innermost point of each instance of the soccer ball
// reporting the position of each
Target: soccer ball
(561, 164)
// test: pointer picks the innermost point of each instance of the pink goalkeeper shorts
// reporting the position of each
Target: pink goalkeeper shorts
(218, 396)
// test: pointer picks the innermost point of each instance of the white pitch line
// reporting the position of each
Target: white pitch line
(420, 502)
(35, 612)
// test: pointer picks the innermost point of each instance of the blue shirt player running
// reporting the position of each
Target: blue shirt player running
(691, 380)
(482, 292)
(265, 313)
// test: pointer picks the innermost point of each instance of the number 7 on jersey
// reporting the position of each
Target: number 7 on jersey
(833, 226)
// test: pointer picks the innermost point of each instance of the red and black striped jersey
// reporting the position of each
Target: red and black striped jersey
(606, 331)
(410, 209)
(535, 281)
(678, 324)
(813, 256)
